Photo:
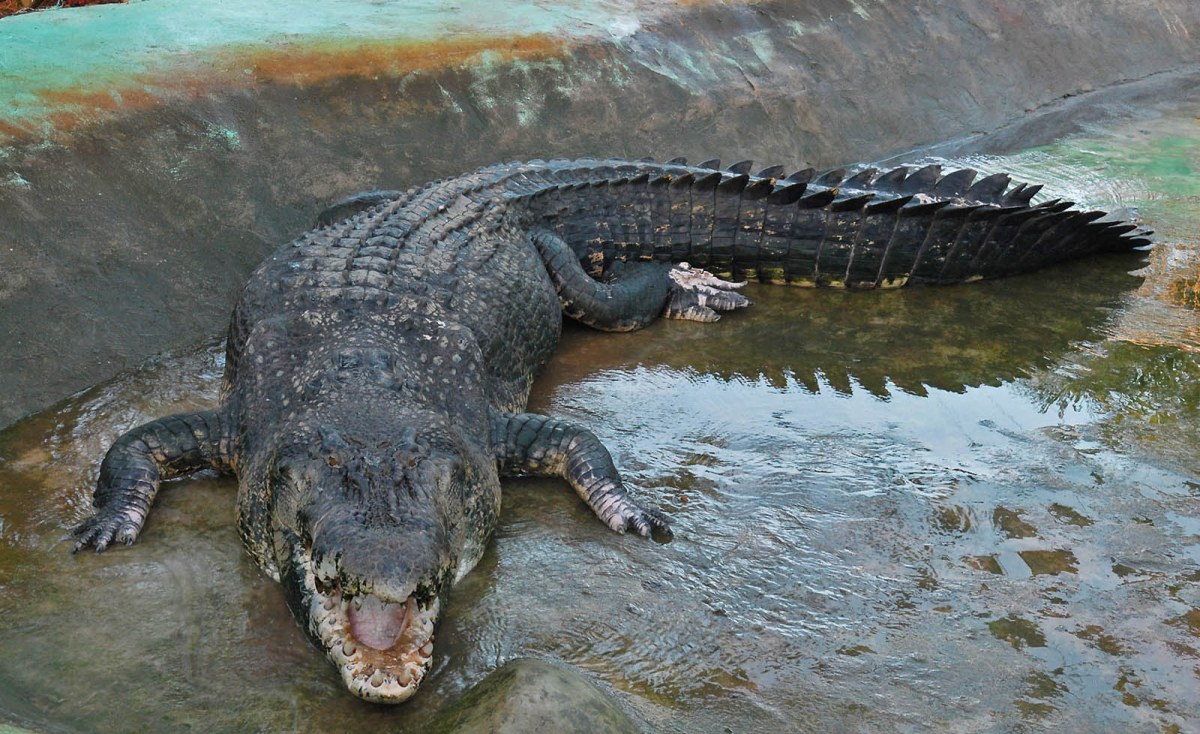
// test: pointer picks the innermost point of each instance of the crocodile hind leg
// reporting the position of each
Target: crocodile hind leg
(529, 444)
(643, 292)
(136, 463)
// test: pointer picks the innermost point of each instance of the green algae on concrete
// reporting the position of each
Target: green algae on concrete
(49, 59)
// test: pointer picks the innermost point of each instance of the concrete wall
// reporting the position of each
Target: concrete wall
(135, 199)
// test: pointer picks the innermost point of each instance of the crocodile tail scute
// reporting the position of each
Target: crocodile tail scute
(854, 229)
(905, 227)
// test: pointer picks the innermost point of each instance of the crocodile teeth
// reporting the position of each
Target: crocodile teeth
(381, 649)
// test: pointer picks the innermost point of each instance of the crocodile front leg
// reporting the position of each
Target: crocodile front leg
(529, 444)
(643, 292)
(136, 463)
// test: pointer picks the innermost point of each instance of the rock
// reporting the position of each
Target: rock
(528, 696)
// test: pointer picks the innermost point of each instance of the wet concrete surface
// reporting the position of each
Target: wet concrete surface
(139, 184)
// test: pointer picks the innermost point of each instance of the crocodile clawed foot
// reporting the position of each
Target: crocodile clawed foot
(624, 515)
(103, 529)
(697, 295)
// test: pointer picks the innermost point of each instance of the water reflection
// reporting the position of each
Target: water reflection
(971, 508)
(945, 338)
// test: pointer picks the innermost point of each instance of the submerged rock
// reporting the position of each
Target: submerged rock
(528, 696)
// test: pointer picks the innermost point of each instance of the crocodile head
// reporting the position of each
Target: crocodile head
(368, 538)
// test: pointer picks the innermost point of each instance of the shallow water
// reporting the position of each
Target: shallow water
(970, 508)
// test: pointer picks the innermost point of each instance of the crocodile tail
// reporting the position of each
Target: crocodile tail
(866, 229)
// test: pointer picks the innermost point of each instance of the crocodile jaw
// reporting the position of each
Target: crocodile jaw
(373, 670)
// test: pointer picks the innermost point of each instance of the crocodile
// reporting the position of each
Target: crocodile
(378, 367)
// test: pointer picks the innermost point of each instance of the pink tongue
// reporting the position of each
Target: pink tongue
(377, 623)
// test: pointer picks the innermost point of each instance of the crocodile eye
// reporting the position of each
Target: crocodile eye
(333, 461)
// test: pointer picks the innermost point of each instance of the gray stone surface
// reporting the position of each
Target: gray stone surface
(528, 696)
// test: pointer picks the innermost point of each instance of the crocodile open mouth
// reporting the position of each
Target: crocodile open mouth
(382, 647)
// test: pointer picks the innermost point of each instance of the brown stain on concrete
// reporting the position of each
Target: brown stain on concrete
(108, 99)
(299, 65)
(9, 131)
(316, 64)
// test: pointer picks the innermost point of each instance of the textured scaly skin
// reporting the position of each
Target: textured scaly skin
(378, 367)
